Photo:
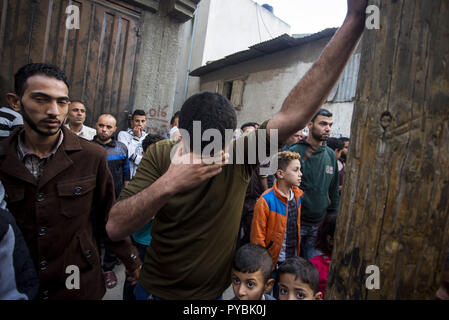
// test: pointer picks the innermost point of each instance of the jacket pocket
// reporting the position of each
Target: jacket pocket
(76, 196)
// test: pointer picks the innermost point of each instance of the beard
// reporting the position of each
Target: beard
(34, 125)
(318, 136)
(103, 139)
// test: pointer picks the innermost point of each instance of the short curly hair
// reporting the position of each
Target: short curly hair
(32, 69)
(285, 157)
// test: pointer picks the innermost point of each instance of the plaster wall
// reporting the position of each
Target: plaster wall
(268, 81)
(157, 72)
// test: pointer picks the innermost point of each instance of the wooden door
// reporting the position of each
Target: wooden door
(99, 58)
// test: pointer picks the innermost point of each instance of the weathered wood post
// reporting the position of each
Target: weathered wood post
(394, 211)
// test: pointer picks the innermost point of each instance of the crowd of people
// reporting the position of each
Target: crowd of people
(183, 227)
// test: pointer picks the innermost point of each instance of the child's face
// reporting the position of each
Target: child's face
(292, 174)
(250, 286)
(294, 289)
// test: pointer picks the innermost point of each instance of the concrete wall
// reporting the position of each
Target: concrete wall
(234, 25)
(162, 43)
(268, 81)
(225, 27)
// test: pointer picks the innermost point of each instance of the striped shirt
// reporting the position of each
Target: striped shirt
(9, 120)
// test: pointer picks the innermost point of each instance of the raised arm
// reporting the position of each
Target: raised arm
(305, 99)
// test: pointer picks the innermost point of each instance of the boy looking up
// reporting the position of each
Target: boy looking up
(251, 273)
(298, 280)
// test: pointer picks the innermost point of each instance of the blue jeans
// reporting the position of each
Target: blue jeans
(308, 238)
(141, 294)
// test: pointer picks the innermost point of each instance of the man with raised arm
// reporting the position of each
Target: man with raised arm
(197, 206)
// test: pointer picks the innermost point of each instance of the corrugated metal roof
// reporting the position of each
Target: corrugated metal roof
(261, 49)
(344, 90)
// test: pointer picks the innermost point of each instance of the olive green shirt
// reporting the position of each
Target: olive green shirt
(194, 234)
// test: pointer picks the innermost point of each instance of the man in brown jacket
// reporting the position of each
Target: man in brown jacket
(59, 189)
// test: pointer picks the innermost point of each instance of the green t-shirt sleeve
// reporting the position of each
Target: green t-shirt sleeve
(147, 172)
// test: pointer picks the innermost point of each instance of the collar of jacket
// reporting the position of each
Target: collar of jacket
(11, 164)
(111, 144)
(317, 150)
(296, 192)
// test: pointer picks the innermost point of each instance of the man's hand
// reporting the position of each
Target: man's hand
(133, 276)
(357, 7)
(137, 131)
(189, 170)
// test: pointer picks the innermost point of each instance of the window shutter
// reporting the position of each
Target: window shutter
(220, 86)
(237, 93)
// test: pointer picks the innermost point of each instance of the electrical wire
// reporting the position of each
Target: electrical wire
(266, 28)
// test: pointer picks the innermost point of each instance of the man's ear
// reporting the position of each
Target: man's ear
(318, 295)
(268, 285)
(14, 101)
(310, 125)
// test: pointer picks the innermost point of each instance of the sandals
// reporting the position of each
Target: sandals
(110, 279)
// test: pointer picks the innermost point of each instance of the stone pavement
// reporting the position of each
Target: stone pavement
(117, 292)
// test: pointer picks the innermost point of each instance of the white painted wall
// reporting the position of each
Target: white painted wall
(269, 80)
(235, 25)
(225, 27)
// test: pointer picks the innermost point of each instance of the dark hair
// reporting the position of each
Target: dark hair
(149, 140)
(249, 124)
(327, 228)
(213, 111)
(322, 112)
(335, 144)
(79, 101)
(252, 257)
(302, 269)
(33, 69)
(138, 112)
(343, 139)
(175, 115)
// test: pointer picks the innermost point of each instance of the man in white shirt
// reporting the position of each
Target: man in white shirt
(133, 138)
(174, 131)
(76, 118)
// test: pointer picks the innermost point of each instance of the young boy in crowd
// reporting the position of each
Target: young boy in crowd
(298, 280)
(277, 214)
(324, 243)
(251, 273)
